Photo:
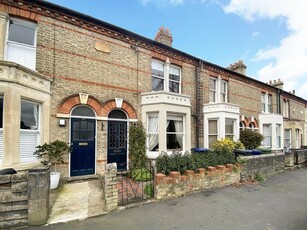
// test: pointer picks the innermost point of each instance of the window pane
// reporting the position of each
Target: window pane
(117, 114)
(152, 133)
(29, 115)
(212, 139)
(21, 33)
(83, 111)
(174, 132)
(229, 126)
(213, 127)
(212, 84)
(1, 112)
(267, 135)
(212, 96)
(157, 84)
(157, 73)
(174, 87)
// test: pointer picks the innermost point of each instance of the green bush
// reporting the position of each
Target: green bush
(141, 174)
(180, 162)
(251, 139)
(137, 146)
(225, 149)
(149, 190)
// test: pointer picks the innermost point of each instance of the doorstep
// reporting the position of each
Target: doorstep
(82, 178)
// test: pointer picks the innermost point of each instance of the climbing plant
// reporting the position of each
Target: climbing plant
(137, 146)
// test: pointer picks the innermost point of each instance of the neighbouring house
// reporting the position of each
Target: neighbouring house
(65, 75)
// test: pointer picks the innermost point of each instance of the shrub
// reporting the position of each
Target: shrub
(149, 190)
(141, 174)
(225, 149)
(52, 153)
(137, 146)
(180, 162)
(251, 139)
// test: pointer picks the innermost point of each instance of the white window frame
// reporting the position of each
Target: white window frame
(288, 139)
(267, 136)
(233, 128)
(217, 93)
(278, 135)
(212, 91)
(285, 108)
(166, 75)
(213, 134)
(297, 138)
(33, 135)
(266, 103)
(179, 117)
(152, 115)
(26, 52)
(1, 132)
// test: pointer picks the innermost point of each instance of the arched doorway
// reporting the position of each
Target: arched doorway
(83, 141)
(117, 139)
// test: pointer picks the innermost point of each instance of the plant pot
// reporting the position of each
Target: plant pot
(54, 179)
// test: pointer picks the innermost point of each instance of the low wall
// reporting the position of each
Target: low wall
(300, 157)
(13, 200)
(265, 164)
(175, 184)
(24, 198)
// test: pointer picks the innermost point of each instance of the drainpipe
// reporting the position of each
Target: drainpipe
(198, 97)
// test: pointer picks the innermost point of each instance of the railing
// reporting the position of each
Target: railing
(137, 184)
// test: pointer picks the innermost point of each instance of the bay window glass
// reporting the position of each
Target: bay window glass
(1, 130)
(212, 90)
(21, 44)
(29, 131)
(174, 79)
(278, 136)
(157, 79)
(153, 132)
(288, 138)
(174, 132)
(267, 133)
(229, 128)
(223, 91)
(213, 132)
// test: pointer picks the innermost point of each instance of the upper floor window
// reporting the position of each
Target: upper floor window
(217, 90)
(21, 43)
(165, 77)
(285, 108)
(266, 103)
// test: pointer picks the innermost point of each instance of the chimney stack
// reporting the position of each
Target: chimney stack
(238, 67)
(277, 83)
(164, 36)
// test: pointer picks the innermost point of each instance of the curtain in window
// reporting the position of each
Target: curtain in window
(35, 113)
(153, 137)
(267, 135)
(179, 130)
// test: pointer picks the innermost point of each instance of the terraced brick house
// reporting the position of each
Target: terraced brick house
(65, 75)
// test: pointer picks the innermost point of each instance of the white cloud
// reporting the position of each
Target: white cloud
(288, 59)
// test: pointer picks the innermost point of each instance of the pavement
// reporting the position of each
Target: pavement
(77, 201)
(279, 203)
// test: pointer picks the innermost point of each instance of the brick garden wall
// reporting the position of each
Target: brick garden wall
(175, 184)
(265, 164)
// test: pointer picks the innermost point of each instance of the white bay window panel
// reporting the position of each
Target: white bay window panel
(22, 55)
(278, 135)
(229, 128)
(213, 132)
(27, 145)
(153, 133)
(174, 132)
(267, 133)
(288, 138)
(1, 147)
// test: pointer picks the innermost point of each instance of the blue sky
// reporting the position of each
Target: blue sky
(270, 36)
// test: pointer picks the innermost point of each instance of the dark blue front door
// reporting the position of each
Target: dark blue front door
(82, 159)
(117, 144)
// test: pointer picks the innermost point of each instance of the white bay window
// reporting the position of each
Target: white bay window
(29, 131)
(165, 77)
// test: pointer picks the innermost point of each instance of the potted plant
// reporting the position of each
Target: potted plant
(52, 154)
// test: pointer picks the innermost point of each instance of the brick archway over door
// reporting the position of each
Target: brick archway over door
(111, 105)
(70, 102)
